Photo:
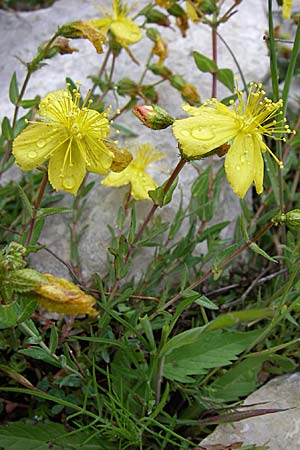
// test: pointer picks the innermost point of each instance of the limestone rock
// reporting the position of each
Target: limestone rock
(21, 33)
(278, 431)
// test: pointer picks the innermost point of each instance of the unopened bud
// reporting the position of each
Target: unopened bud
(153, 116)
(190, 94)
(155, 16)
(291, 219)
(162, 71)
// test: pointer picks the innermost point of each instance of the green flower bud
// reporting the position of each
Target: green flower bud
(291, 219)
(153, 116)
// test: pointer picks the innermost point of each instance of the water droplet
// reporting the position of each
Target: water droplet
(237, 168)
(185, 133)
(68, 183)
(203, 133)
(41, 143)
(32, 154)
(243, 159)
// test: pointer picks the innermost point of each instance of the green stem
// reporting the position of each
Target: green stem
(29, 332)
(101, 97)
(273, 60)
(101, 70)
(222, 265)
(291, 69)
(36, 207)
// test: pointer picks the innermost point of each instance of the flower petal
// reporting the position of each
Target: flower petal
(259, 145)
(57, 106)
(126, 32)
(67, 169)
(36, 143)
(115, 179)
(141, 184)
(199, 135)
(240, 163)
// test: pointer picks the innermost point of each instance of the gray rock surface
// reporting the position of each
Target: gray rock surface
(21, 33)
(278, 431)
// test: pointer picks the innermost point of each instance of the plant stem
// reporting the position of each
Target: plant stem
(173, 175)
(101, 97)
(273, 60)
(101, 70)
(36, 206)
(29, 332)
(214, 57)
(222, 265)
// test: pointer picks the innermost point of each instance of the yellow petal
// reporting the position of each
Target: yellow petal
(115, 179)
(259, 145)
(198, 136)
(141, 184)
(287, 9)
(56, 105)
(67, 169)
(36, 143)
(240, 163)
(103, 24)
(126, 32)
(98, 156)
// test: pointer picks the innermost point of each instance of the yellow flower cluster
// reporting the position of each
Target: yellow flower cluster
(243, 126)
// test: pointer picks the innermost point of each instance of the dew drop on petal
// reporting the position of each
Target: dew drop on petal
(41, 143)
(237, 167)
(68, 183)
(32, 154)
(203, 134)
(185, 133)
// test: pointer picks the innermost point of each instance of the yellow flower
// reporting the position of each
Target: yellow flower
(243, 127)
(135, 173)
(62, 296)
(72, 138)
(287, 9)
(125, 31)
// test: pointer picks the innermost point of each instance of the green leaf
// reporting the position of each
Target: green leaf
(226, 77)
(233, 318)
(238, 381)
(43, 212)
(206, 303)
(7, 130)
(13, 89)
(29, 103)
(53, 339)
(8, 316)
(204, 63)
(132, 228)
(211, 349)
(43, 436)
(25, 307)
(261, 252)
(40, 354)
(158, 195)
(25, 201)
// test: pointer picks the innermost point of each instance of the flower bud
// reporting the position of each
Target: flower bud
(162, 71)
(155, 16)
(291, 219)
(190, 94)
(153, 116)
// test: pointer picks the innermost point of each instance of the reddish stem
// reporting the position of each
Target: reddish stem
(174, 174)
(36, 206)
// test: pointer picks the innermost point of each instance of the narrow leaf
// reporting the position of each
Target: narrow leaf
(226, 77)
(204, 63)
(13, 89)
(25, 201)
